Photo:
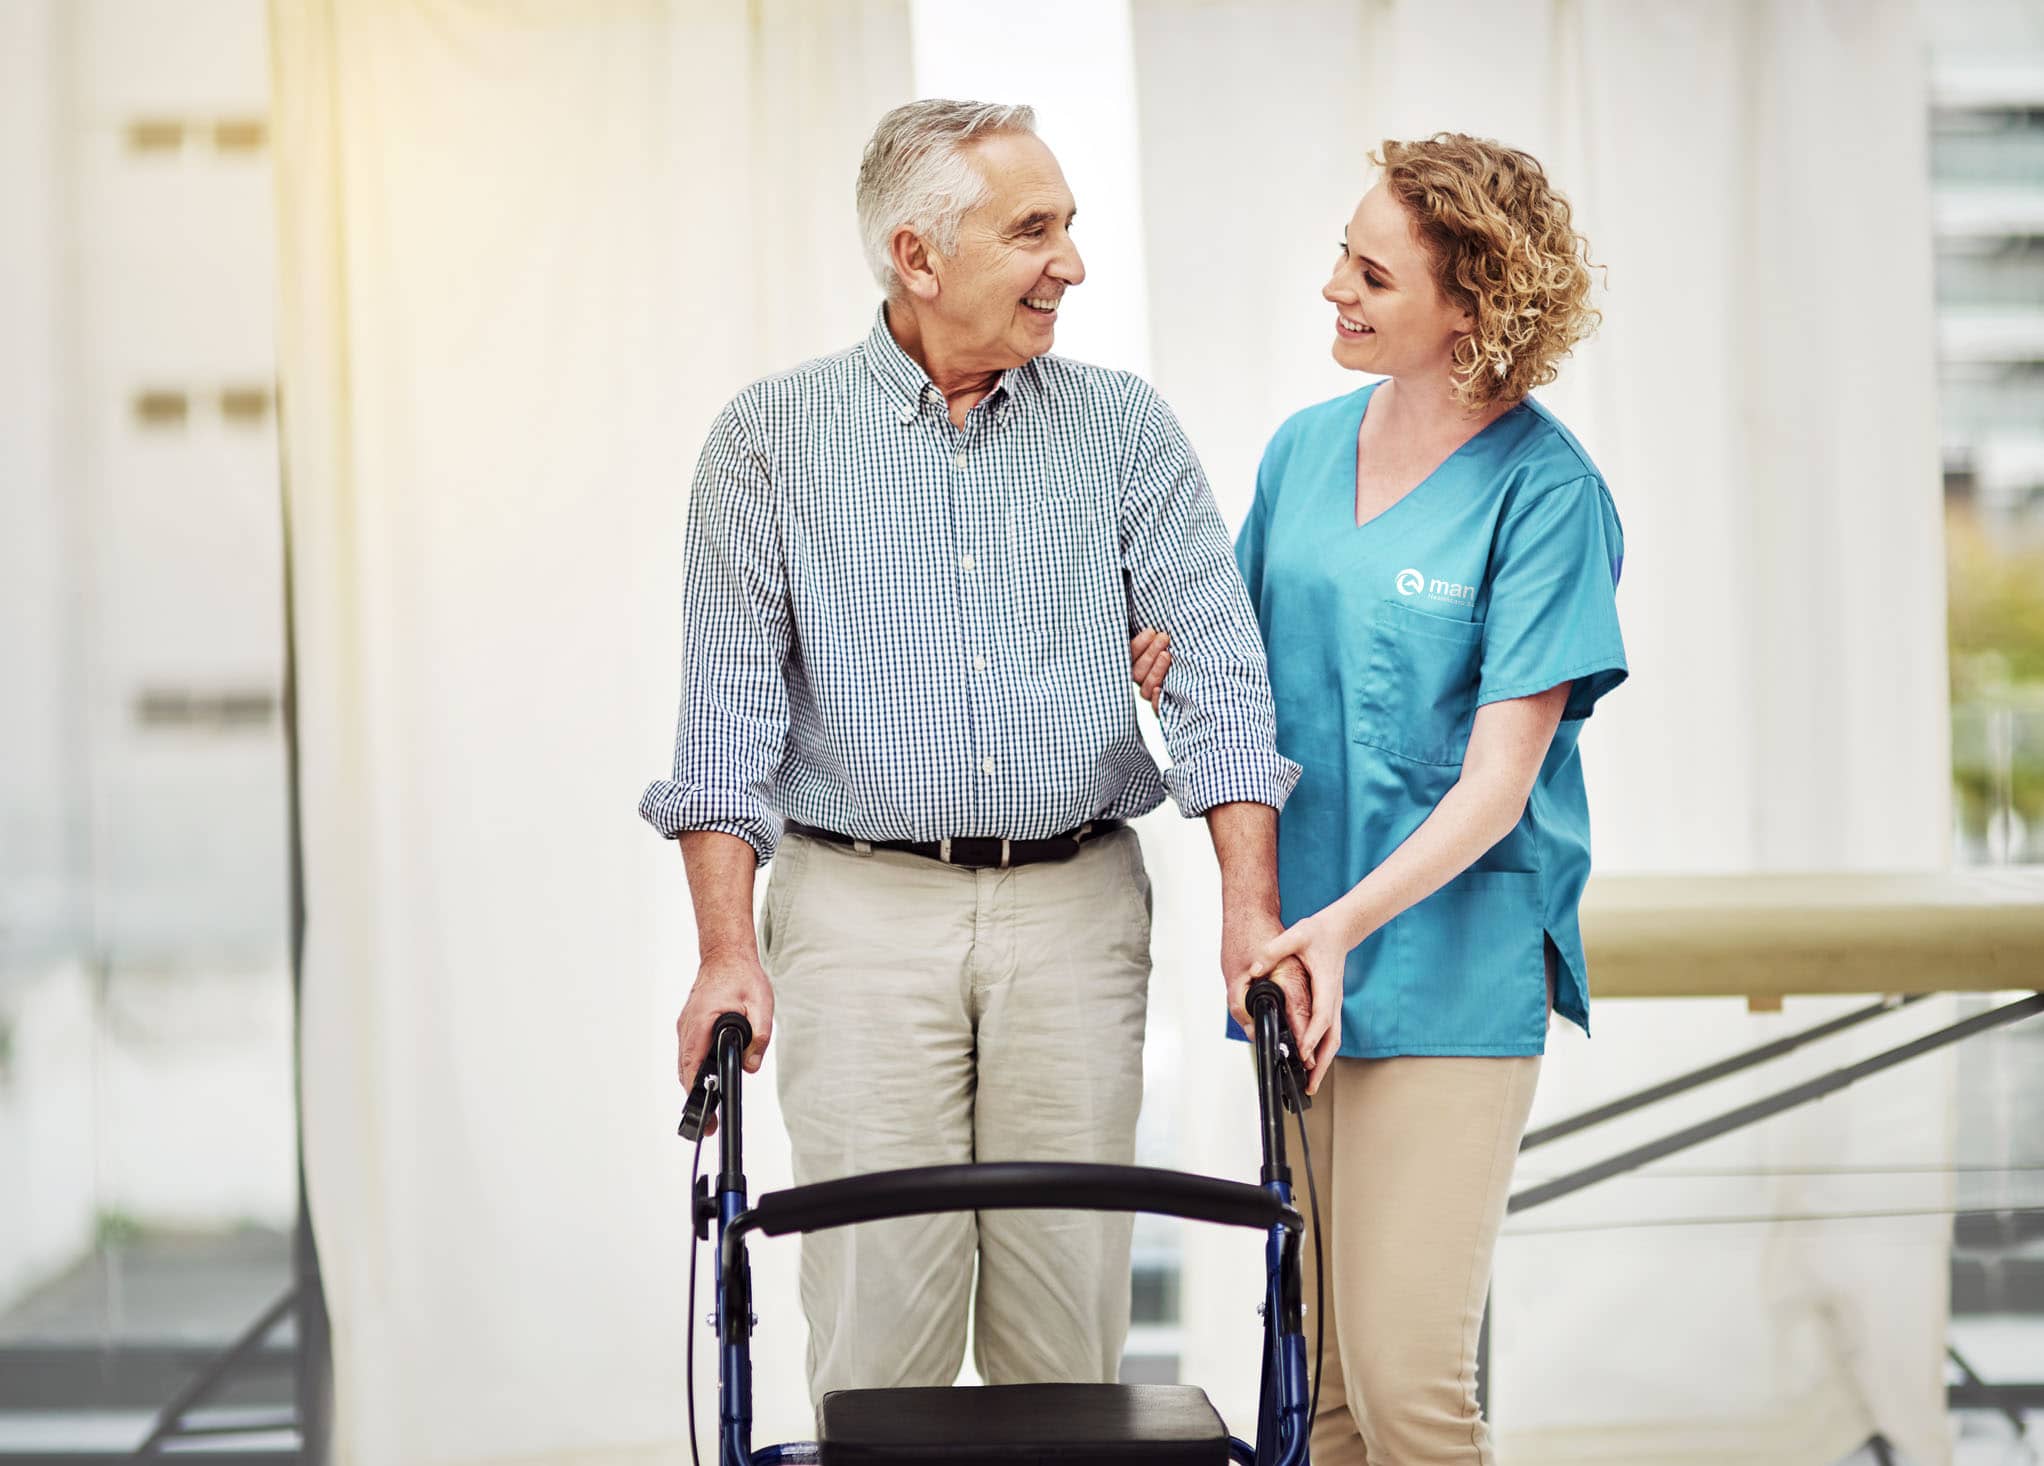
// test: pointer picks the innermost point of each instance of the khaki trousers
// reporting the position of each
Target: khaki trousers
(1414, 1158)
(925, 1014)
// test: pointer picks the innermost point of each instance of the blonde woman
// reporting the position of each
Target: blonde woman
(1433, 559)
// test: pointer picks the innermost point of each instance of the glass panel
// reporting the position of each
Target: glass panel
(1987, 141)
(147, 1116)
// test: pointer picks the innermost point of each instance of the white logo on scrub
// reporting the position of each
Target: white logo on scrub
(1411, 582)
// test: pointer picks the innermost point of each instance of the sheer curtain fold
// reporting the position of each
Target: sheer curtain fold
(528, 250)
(1753, 179)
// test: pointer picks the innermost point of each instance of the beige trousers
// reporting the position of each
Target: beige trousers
(1414, 1158)
(926, 1014)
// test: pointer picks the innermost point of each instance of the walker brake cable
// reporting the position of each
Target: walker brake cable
(702, 1101)
(1298, 1108)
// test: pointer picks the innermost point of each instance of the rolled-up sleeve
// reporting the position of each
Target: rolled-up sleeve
(1216, 711)
(733, 726)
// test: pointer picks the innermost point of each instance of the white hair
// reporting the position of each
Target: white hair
(915, 174)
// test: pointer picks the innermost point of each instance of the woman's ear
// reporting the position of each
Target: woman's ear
(914, 263)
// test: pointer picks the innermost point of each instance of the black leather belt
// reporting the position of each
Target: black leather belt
(975, 852)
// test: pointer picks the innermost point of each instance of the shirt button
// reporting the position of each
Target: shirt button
(960, 459)
(979, 664)
(986, 766)
(965, 561)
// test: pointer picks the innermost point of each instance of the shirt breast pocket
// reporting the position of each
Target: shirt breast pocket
(1417, 694)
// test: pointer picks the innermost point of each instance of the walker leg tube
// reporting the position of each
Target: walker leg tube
(734, 1270)
(1267, 1388)
(1281, 1423)
(1283, 1403)
(734, 1341)
(1293, 1424)
(734, 1380)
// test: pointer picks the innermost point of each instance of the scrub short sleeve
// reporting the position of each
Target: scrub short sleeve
(1553, 615)
(1250, 542)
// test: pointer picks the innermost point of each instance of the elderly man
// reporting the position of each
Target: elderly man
(913, 568)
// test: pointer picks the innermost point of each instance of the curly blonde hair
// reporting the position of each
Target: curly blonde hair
(1503, 249)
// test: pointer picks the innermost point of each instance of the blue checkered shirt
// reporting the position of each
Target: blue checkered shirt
(900, 629)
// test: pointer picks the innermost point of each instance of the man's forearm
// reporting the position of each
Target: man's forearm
(1245, 845)
(720, 870)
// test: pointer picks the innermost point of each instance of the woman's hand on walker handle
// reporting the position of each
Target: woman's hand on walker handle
(1149, 657)
(1321, 943)
(1296, 986)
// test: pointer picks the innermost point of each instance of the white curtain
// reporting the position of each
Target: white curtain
(528, 250)
(1762, 398)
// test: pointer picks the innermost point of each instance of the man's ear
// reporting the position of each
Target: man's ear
(914, 262)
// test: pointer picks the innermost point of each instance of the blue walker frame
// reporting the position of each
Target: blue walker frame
(1283, 1405)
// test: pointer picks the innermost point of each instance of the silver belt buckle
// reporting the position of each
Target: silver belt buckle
(944, 850)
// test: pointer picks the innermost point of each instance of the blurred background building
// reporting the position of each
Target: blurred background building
(1987, 161)
(1987, 173)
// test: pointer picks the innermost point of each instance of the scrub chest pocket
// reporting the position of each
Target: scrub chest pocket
(1417, 696)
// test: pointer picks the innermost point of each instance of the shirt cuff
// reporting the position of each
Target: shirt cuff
(1247, 775)
(681, 809)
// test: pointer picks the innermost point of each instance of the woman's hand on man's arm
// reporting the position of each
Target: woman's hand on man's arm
(1149, 660)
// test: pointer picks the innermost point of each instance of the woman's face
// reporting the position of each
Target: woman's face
(1390, 317)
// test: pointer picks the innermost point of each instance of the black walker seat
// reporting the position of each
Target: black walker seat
(1001, 1425)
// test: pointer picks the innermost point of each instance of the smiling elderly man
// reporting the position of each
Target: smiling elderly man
(913, 568)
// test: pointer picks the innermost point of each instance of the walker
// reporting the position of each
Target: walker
(1070, 1424)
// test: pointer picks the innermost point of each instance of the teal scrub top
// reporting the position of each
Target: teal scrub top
(1495, 578)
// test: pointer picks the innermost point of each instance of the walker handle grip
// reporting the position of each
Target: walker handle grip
(702, 1095)
(1265, 996)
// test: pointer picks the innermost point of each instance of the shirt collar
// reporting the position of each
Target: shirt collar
(909, 385)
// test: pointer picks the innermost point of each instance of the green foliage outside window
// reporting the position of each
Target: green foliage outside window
(1996, 609)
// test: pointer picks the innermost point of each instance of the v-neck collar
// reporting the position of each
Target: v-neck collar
(1355, 463)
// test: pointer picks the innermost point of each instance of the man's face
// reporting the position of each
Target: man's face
(999, 291)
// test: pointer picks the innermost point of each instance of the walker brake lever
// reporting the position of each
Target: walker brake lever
(702, 1103)
(1298, 1101)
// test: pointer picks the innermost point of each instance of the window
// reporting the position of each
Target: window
(148, 1124)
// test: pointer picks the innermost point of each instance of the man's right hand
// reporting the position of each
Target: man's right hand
(725, 983)
(720, 869)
